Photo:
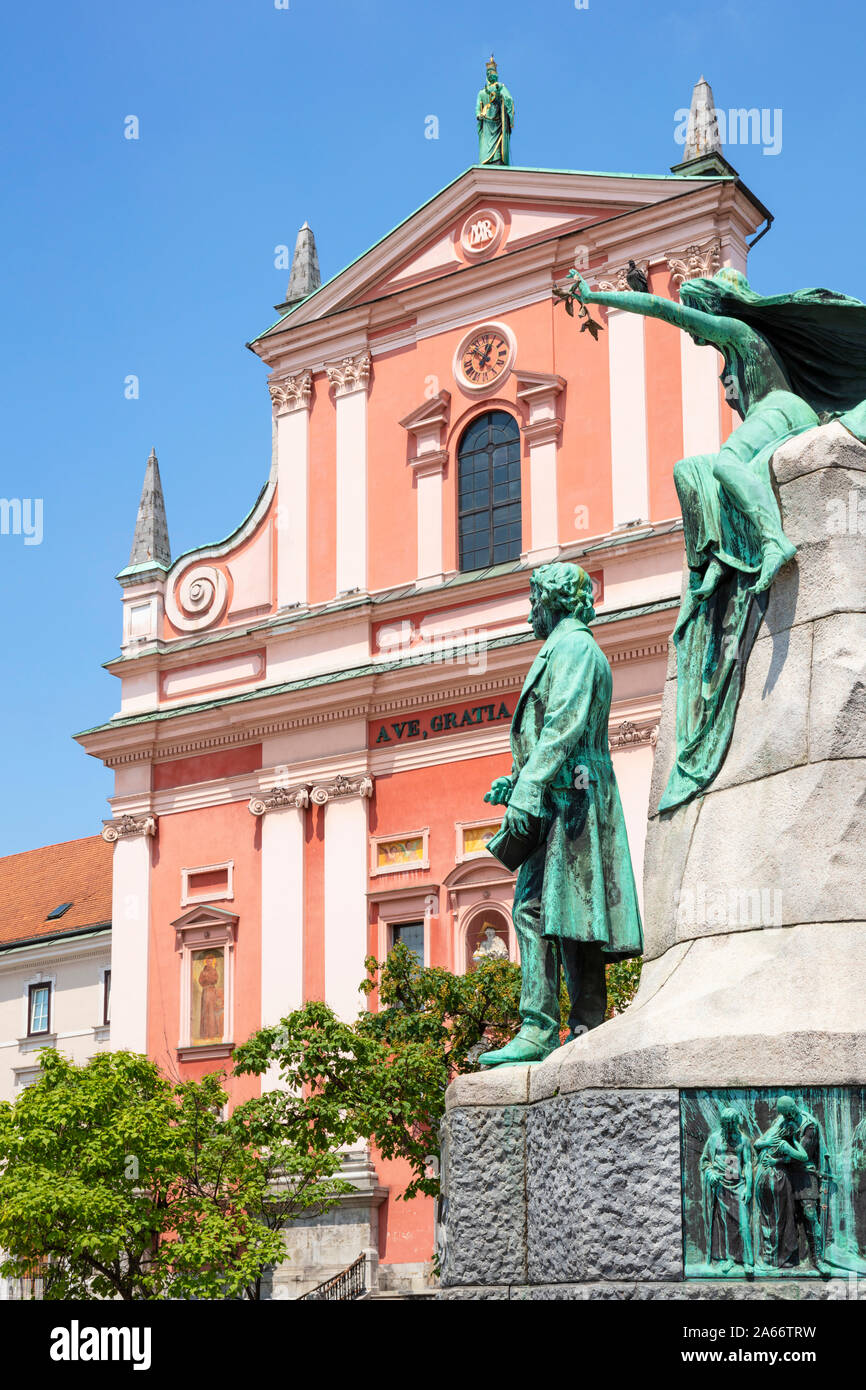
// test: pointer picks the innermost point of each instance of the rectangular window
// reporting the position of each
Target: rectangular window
(106, 997)
(412, 936)
(38, 1010)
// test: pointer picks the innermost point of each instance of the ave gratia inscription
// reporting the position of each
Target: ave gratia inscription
(401, 730)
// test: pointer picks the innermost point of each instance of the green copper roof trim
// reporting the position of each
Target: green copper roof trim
(27, 943)
(286, 619)
(515, 168)
(371, 668)
(141, 567)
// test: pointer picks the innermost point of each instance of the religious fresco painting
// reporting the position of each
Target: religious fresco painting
(207, 996)
(477, 837)
(774, 1183)
(394, 852)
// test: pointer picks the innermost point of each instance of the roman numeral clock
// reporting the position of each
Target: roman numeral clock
(484, 357)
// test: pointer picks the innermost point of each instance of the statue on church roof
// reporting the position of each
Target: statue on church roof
(494, 111)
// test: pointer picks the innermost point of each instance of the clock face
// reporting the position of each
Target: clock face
(484, 357)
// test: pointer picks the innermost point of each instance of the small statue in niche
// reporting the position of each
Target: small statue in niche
(491, 946)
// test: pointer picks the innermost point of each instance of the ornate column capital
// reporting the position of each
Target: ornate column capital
(629, 734)
(341, 787)
(350, 374)
(697, 260)
(615, 276)
(277, 798)
(291, 392)
(125, 827)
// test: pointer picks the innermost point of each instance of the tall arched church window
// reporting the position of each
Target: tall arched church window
(488, 487)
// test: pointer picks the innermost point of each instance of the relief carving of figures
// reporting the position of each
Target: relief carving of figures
(726, 1181)
(774, 1185)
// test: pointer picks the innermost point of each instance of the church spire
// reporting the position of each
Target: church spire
(304, 276)
(703, 153)
(702, 137)
(150, 542)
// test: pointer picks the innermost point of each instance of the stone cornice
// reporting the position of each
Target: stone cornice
(630, 635)
(542, 431)
(432, 462)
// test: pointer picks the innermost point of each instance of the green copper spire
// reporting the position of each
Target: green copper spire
(494, 113)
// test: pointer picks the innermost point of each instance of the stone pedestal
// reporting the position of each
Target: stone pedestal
(565, 1179)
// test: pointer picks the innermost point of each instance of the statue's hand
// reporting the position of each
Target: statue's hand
(517, 821)
(580, 289)
(499, 792)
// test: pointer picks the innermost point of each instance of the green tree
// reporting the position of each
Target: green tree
(116, 1183)
(387, 1074)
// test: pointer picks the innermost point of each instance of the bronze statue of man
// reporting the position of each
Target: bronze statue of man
(575, 905)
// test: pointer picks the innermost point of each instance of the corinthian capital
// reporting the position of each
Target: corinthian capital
(291, 392)
(695, 261)
(341, 787)
(350, 374)
(615, 276)
(124, 827)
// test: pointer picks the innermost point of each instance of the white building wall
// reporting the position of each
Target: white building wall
(75, 969)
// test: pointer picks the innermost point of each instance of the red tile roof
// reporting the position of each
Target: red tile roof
(34, 883)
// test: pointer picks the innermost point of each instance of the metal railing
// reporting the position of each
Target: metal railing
(349, 1284)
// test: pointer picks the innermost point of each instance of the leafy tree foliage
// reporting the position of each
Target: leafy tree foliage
(116, 1183)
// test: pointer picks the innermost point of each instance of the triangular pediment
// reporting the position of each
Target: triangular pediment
(486, 213)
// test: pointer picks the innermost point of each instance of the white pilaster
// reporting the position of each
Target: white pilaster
(628, 418)
(349, 380)
(291, 398)
(345, 898)
(702, 429)
(130, 934)
(427, 427)
(539, 392)
(282, 917)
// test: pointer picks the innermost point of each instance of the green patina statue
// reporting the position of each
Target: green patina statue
(494, 111)
(726, 1192)
(791, 362)
(575, 905)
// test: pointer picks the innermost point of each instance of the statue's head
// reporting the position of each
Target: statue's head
(788, 1108)
(557, 591)
(492, 75)
(730, 1120)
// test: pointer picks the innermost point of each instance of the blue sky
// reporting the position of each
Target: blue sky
(155, 257)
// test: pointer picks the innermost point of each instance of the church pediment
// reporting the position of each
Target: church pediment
(485, 213)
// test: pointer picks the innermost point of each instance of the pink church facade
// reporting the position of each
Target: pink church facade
(312, 710)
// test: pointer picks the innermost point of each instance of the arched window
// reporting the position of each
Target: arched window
(488, 487)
